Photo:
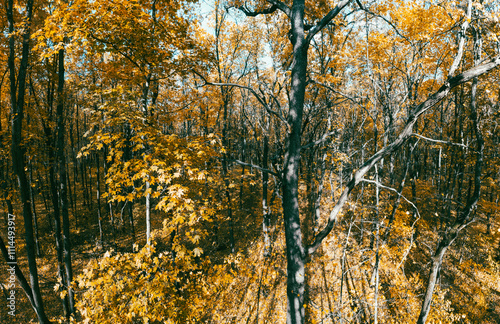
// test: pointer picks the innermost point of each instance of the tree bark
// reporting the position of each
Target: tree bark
(98, 193)
(63, 192)
(19, 275)
(17, 93)
(148, 215)
(266, 210)
(295, 252)
(33, 205)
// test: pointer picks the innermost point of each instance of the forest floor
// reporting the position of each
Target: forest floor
(85, 247)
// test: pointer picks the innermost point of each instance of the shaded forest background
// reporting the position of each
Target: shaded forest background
(146, 149)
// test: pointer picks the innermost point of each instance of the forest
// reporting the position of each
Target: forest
(261, 161)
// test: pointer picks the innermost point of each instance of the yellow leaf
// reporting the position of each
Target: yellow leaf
(197, 252)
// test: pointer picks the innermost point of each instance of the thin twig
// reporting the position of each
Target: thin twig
(256, 167)
(438, 141)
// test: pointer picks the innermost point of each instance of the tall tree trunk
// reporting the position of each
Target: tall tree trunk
(99, 215)
(131, 220)
(266, 210)
(110, 204)
(148, 214)
(56, 216)
(33, 205)
(19, 275)
(127, 156)
(225, 94)
(295, 252)
(63, 192)
(18, 156)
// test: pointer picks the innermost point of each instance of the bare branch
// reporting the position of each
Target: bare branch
(319, 141)
(438, 141)
(388, 22)
(378, 184)
(256, 167)
(353, 100)
(256, 95)
(461, 43)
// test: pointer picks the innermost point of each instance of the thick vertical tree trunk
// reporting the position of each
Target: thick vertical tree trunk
(295, 252)
(17, 93)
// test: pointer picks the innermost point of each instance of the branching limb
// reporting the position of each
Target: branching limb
(275, 5)
(116, 48)
(256, 95)
(319, 141)
(378, 184)
(281, 6)
(326, 19)
(399, 142)
(405, 255)
(461, 41)
(326, 86)
(385, 20)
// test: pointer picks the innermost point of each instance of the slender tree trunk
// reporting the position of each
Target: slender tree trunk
(266, 210)
(110, 204)
(99, 215)
(33, 205)
(63, 192)
(17, 151)
(84, 182)
(89, 183)
(57, 233)
(377, 251)
(19, 275)
(131, 220)
(148, 215)
(225, 94)
(42, 191)
(127, 156)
